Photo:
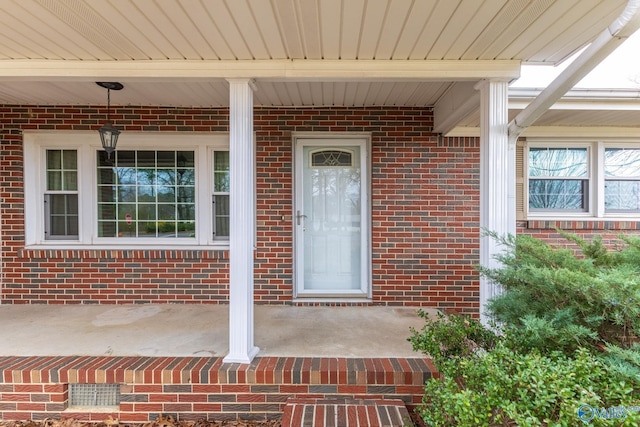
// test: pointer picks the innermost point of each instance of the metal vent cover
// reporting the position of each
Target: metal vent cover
(94, 395)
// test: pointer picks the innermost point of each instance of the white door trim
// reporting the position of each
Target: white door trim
(333, 140)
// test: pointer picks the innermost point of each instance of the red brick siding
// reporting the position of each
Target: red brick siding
(608, 231)
(194, 389)
(424, 212)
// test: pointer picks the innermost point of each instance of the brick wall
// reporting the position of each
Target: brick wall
(193, 388)
(424, 212)
(608, 231)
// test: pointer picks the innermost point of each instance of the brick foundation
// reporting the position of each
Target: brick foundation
(201, 388)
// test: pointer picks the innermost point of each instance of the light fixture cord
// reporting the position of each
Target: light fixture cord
(108, 105)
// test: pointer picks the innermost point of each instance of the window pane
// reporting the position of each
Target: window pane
(146, 159)
(54, 159)
(54, 180)
(62, 170)
(126, 210)
(147, 229)
(72, 225)
(166, 212)
(186, 212)
(106, 176)
(186, 159)
(146, 176)
(166, 177)
(62, 216)
(106, 211)
(186, 194)
(167, 159)
(107, 229)
(155, 190)
(126, 193)
(221, 171)
(103, 160)
(186, 177)
(126, 175)
(72, 204)
(555, 194)
(186, 229)
(106, 193)
(166, 228)
(70, 180)
(58, 204)
(58, 226)
(622, 163)
(125, 158)
(621, 196)
(70, 159)
(221, 187)
(166, 194)
(147, 212)
(558, 162)
(221, 214)
(331, 158)
(146, 193)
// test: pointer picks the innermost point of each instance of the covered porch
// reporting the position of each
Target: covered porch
(167, 360)
(202, 330)
(246, 66)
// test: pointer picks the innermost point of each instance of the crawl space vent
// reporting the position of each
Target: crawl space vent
(94, 395)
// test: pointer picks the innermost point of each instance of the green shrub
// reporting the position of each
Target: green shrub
(448, 339)
(558, 299)
(504, 387)
(567, 336)
(562, 299)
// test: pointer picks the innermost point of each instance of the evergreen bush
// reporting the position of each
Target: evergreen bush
(566, 339)
(558, 298)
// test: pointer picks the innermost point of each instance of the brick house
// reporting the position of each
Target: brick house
(273, 156)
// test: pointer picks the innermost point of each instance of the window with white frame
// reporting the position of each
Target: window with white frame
(155, 188)
(61, 195)
(583, 178)
(558, 179)
(220, 197)
(621, 179)
(146, 194)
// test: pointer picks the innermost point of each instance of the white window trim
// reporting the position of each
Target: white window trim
(87, 143)
(595, 210)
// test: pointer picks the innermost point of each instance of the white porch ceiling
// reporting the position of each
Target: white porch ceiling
(300, 52)
(579, 110)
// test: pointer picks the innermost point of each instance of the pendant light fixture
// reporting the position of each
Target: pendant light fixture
(108, 133)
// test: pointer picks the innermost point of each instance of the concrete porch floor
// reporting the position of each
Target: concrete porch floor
(202, 330)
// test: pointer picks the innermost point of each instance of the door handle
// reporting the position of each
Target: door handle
(299, 216)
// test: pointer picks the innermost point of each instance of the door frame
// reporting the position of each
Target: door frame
(336, 140)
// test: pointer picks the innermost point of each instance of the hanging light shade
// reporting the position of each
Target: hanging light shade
(108, 133)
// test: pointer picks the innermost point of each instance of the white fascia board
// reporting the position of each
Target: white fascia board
(582, 99)
(559, 132)
(302, 70)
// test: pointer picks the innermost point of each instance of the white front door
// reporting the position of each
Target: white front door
(331, 217)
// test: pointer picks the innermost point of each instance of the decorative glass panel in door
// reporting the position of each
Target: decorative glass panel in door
(330, 218)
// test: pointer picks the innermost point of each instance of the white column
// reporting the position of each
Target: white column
(242, 222)
(497, 176)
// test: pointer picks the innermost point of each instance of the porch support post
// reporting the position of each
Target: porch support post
(242, 222)
(497, 175)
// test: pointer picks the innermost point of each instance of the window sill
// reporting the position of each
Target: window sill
(218, 252)
(582, 224)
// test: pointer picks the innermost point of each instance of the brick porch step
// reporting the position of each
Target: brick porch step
(345, 412)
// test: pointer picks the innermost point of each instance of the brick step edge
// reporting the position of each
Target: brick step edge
(345, 412)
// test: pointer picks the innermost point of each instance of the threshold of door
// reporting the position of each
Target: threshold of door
(332, 301)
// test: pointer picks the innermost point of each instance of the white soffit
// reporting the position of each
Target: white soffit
(603, 132)
(303, 46)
